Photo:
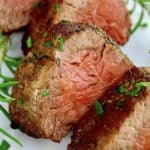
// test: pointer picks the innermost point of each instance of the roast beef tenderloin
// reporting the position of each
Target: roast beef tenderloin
(62, 76)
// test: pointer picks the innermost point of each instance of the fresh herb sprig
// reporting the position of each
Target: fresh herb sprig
(5, 112)
(139, 22)
(6, 83)
(10, 136)
(143, 4)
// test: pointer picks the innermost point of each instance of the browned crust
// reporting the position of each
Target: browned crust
(91, 128)
(65, 30)
(26, 72)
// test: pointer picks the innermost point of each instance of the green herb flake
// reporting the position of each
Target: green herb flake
(20, 101)
(98, 107)
(48, 44)
(45, 93)
(4, 145)
(138, 88)
(134, 92)
(57, 7)
(61, 42)
(29, 42)
(45, 34)
(143, 84)
(122, 89)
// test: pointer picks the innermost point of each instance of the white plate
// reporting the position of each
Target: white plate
(137, 50)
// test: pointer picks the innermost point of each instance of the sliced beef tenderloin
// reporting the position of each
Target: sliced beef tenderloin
(61, 79)
(111, 15)
(125, 123)
(15, 14)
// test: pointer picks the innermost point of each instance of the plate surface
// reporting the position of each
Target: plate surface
(137, 49)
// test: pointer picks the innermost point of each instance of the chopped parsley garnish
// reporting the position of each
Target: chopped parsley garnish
(45, 34)
(98, 107)
(29, 42)
(61, 42)
(48, 44)
(4, 145)
(45, 93)
(57, 7)
(136, 90)
(143, 84)
(122, 89)
(20, 101)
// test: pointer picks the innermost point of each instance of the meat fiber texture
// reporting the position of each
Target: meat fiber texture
(59, 83)
(110, 15)
(15, 14)
(124, 127)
